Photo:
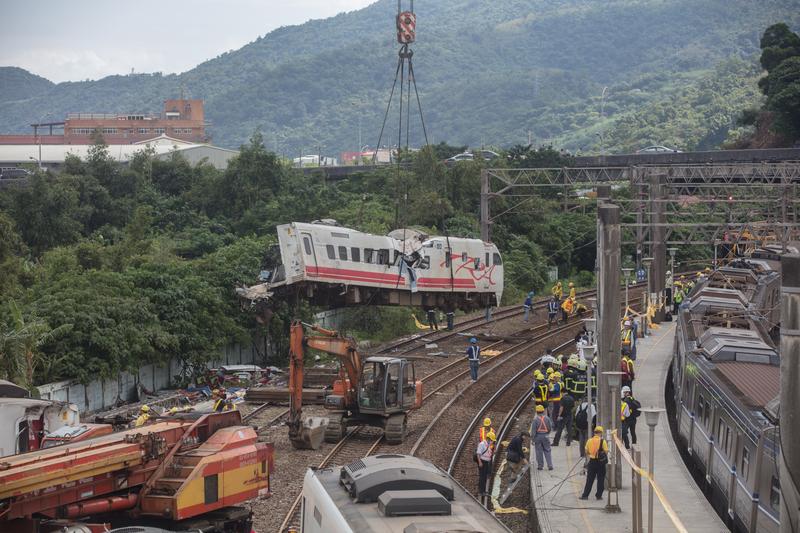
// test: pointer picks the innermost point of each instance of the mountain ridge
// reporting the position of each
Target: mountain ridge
(486, 73)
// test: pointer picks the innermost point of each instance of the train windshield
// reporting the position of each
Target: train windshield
(373, 380)
(272, 265)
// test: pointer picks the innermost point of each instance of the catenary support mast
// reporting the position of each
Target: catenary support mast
(789, 463)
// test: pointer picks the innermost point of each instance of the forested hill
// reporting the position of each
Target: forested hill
(676, 72)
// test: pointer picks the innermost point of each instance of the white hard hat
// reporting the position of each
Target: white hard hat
(626, 389)
(627, 322)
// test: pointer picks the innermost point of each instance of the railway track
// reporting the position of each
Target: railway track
(363, 441)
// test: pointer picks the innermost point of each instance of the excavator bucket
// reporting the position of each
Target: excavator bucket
(311, 433)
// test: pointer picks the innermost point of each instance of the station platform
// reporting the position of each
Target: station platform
(556, 492)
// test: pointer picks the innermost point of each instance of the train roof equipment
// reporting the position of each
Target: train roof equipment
(390, 493)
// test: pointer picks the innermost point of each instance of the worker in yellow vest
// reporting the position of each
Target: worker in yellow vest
(557, 291)
(572, 292)
(144, 416)
(597, 451)
(554, 394)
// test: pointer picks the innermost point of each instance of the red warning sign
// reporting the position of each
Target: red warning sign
(406, 27)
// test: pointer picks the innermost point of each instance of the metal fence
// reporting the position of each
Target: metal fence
(105, 393)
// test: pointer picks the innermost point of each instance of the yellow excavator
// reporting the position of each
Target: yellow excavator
(376, 391)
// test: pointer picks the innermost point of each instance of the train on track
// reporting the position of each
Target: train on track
(334, 266)
(725, 386)
(393, 494)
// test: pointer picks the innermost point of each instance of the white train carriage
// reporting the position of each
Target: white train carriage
(337, 266)
(390, 493)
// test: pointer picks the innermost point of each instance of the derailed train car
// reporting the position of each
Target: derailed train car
(335, 266)
(726, 384)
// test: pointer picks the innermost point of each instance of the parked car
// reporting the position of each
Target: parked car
(487, 155)
(658, 149)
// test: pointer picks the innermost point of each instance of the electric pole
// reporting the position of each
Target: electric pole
(608, 342)
(789, 458)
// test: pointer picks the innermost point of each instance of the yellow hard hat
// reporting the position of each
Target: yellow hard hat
(492, 437)
(487, 422)
(598, 429)
(556, 375)
(173, 410)
(550, 370)
(708, 269)
(144, 409)
(699, 273)
(215, 391)
(540, 408)
(571, 284)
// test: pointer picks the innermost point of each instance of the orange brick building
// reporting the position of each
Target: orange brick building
(181, 119)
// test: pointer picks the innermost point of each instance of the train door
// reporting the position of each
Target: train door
(309, 255)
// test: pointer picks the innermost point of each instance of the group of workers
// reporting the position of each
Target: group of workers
(568, 306)
(681, 287)
(562, 408)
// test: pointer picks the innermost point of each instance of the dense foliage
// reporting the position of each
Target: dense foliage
(105, 267)
(777, 122)
(489, 73)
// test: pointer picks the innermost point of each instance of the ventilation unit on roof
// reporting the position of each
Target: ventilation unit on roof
(413, 503)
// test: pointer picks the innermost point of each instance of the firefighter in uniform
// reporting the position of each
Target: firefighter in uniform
(541, 389)
(572, 292)
(579, 383)
(554, 394)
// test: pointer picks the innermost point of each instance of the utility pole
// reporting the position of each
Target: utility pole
(485, 205)
(658, 247)
(608, 342)
(789, 458)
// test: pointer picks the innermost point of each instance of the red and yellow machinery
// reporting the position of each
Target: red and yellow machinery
(187, 472)
(376, 391)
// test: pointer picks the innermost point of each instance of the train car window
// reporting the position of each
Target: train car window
(307, 245)
(397, 256)
(728, 440)
(701, 408)
(369, 255)
(317, 516)
(464, 257)
(745, 469)
(707, 415)
(448, 259)
(487, 263)
(343, 253)
(355, 254)
(383, 257)
(303, 515)
(496, 260)
(476, 263)
(340, 235)
(775, 493)
(331, 251)
(425, 264)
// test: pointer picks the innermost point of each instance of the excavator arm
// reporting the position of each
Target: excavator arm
(307, 434)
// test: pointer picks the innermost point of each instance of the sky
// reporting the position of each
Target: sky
(71, 40)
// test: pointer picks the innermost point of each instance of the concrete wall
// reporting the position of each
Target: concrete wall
(104, 393)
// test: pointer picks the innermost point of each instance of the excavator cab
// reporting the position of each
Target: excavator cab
(387, 386)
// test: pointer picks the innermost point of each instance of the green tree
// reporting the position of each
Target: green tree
(21, 341)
